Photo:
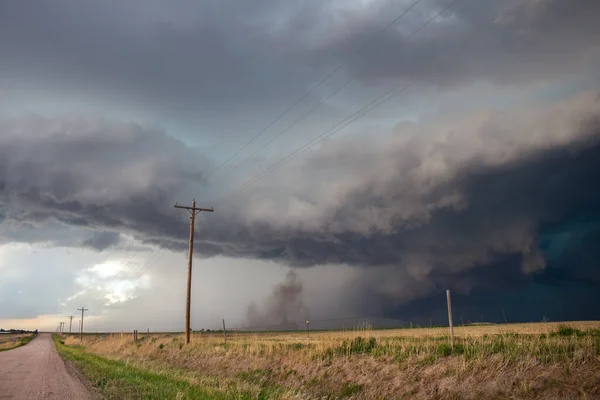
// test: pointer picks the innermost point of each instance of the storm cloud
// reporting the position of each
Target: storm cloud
(482, 179)
(457, 203)
(102, 240)
(94, 173)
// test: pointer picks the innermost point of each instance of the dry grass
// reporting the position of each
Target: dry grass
(543, 360)
(11, 341)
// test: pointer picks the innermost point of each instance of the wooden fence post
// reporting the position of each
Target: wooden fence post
(450, 323)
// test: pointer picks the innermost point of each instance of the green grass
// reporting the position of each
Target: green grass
(117, 380)
(114, 379)
(21, 342)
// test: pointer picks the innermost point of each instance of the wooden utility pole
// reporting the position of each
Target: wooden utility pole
(193, 210)
(450, 323)
(82, 309)
(70, 322)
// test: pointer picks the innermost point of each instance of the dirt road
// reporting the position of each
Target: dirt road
(36, 371)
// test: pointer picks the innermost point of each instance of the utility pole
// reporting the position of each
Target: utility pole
(61, 326)
(193, 210)
(82, 309)
(70, 322)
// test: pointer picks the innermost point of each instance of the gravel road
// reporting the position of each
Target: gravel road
(36, 371)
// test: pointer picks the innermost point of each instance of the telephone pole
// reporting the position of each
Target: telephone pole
(82, 309)
(193, 210)
(61, 326)
(70, 322)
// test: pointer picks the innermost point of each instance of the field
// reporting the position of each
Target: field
(11, 341)
(542, 360)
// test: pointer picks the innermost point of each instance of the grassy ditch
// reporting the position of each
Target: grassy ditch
(134, 379)
(13, 343)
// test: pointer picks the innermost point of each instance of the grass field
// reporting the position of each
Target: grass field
(12, 341)
(543, 360)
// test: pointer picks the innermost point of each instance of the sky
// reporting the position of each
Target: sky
(361, 156)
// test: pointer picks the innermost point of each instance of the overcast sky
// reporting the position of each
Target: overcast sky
(362, 157)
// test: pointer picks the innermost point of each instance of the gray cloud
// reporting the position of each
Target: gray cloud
(461, 202)
(542, 40)
(458, 202)
(236, 59)
(102, 240)
(95, 174)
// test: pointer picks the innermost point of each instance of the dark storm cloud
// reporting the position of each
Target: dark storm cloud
(459, 202)
(102, 240)
(184, 57)
(543, 39)
(239, 57)
(95, 174)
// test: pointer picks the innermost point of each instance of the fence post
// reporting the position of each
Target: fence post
(450, 323)
(308, 329)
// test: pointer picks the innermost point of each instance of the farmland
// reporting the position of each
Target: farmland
(523, 360)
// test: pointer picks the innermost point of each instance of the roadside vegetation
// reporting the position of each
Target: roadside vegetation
(12, 341)
(138, 379)
(525, 361)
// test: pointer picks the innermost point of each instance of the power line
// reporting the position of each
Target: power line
(123, 270)
(319, 84)
(388, 95)
(338, 90)
(133, 272)
(148, 266)
(151, 261)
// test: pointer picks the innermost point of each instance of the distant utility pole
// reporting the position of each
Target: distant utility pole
(61, 326)
(70, 322)
(193, 210)
(82, 309)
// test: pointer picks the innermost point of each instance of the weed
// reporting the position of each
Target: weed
(566, 330)
(350, 389)
(444, 349)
